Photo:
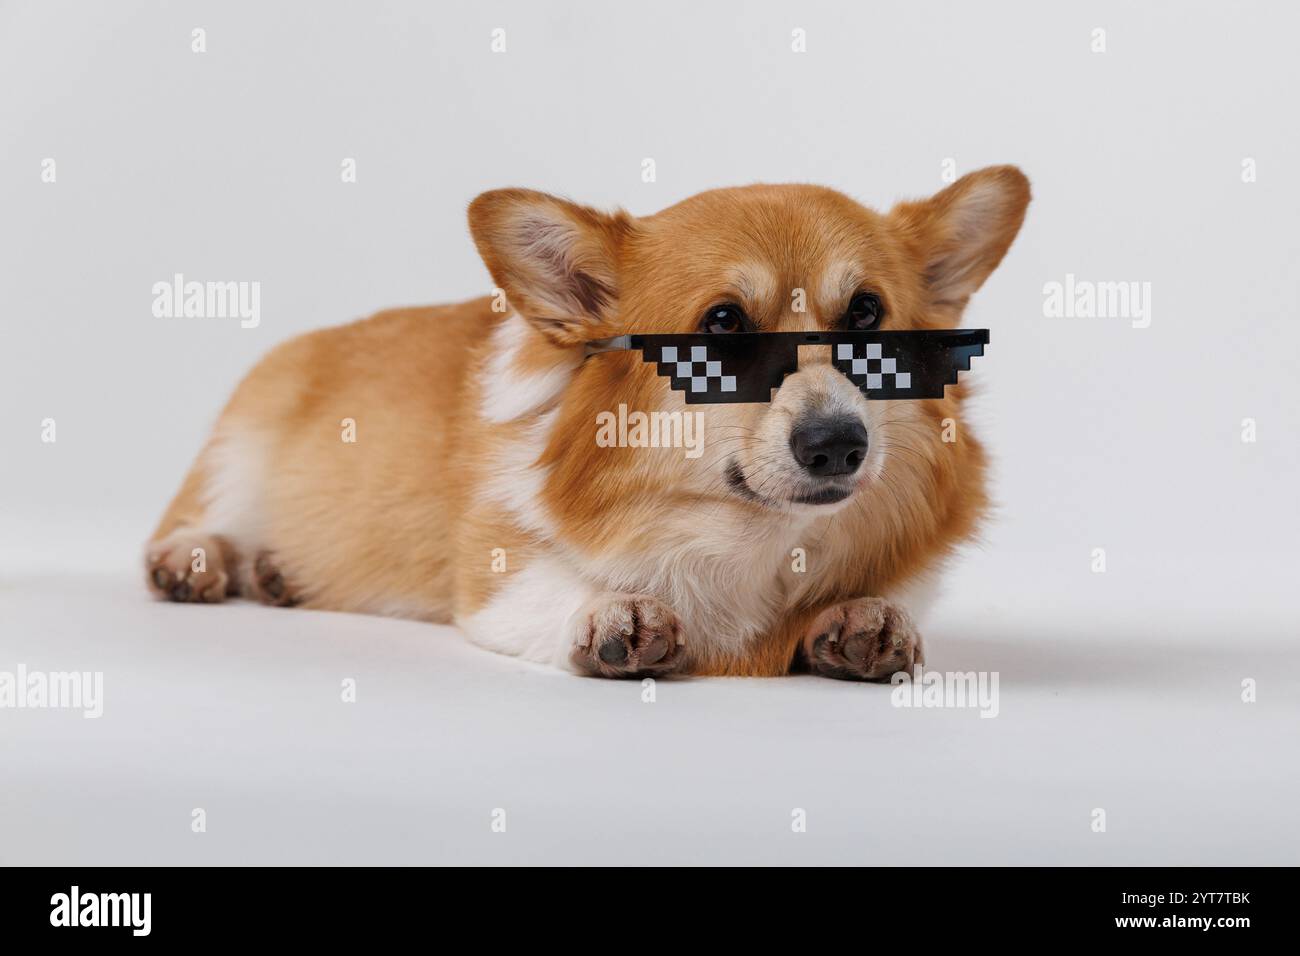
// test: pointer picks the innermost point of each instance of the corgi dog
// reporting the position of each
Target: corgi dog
(442, 463)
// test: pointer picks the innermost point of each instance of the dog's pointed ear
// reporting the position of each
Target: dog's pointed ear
(964, 231)
(556, 261)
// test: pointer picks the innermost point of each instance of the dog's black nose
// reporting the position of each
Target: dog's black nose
(829, 446)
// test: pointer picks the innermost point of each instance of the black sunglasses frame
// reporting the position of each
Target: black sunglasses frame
(744, 367)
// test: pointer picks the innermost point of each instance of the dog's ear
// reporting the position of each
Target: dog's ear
(964, 231)
(556, 261)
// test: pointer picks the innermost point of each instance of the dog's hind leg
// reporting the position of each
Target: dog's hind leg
(200, 550)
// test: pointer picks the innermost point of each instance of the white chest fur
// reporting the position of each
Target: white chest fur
(726, 576)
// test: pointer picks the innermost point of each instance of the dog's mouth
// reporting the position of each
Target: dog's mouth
(825, 492)
(828, 495)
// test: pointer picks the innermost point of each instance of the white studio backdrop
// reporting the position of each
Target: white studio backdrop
(1166, 158)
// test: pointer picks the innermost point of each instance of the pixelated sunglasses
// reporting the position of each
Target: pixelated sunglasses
(737, 367)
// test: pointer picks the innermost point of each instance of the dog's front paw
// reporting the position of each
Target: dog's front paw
(864, 639)
(626, 635)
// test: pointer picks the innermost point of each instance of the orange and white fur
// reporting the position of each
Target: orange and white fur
(475, 491)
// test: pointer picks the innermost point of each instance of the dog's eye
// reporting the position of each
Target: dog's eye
(727, 317)
(865, 311)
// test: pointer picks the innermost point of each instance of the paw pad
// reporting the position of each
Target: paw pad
(866, 639)
(627, 636)
(175, 574)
